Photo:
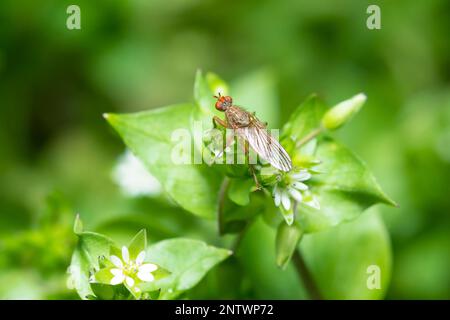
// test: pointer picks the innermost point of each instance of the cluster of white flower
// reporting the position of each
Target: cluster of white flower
(292, 186)
(127, 269)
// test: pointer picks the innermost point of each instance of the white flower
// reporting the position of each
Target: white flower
(292, 186)
(133, 178)
(127, 270)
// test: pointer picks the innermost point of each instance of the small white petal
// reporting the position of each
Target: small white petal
(140, 258)
(145, 276)
(301, 176)
(148, 267)
(130, 281)
(295, 194)
(125, 254)
(285, 200)
(299, 186)
(116, 261)
(277, 196)
(117, 279)
(116, 272)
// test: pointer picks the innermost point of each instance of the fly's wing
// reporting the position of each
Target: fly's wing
(266, 146)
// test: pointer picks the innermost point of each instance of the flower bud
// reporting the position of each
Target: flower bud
(343, 112)
(287, 240)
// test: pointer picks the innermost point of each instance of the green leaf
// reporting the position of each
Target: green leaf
(233, 217)
(304, 119)
(239, 191)
(204, 92)
(137, 244)
(152, 295)
(110, 292)
(187, 260)
(216, 84)
(345, 188)
(104, 275)
(341, 259)
(149, 135)
(79, 273)
(287, 239)
(90, 247)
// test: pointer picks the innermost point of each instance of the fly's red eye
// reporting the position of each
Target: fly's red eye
(223, 102)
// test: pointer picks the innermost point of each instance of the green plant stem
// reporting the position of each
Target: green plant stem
(314, 133)
(305, 276)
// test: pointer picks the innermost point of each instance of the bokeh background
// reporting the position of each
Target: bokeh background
(58, 156)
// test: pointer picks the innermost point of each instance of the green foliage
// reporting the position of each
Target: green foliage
(91, 246)
(177, 270)
(187, 267)
(132, 56)
(342, 184)
(345, 188)
(340, 258)
(239, 191)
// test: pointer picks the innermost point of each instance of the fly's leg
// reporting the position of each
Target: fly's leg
(251, 166)
(218, 121)
(252, 169)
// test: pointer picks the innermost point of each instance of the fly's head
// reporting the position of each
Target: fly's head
(223, 102)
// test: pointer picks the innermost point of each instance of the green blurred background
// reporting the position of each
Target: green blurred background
(58, 153)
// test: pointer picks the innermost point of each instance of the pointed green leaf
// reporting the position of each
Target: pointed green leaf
(138, 244)
(203, 94)
(217, 85)
(345, 188)
(90, 247)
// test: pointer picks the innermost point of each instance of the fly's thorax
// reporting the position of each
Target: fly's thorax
(237, 117)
